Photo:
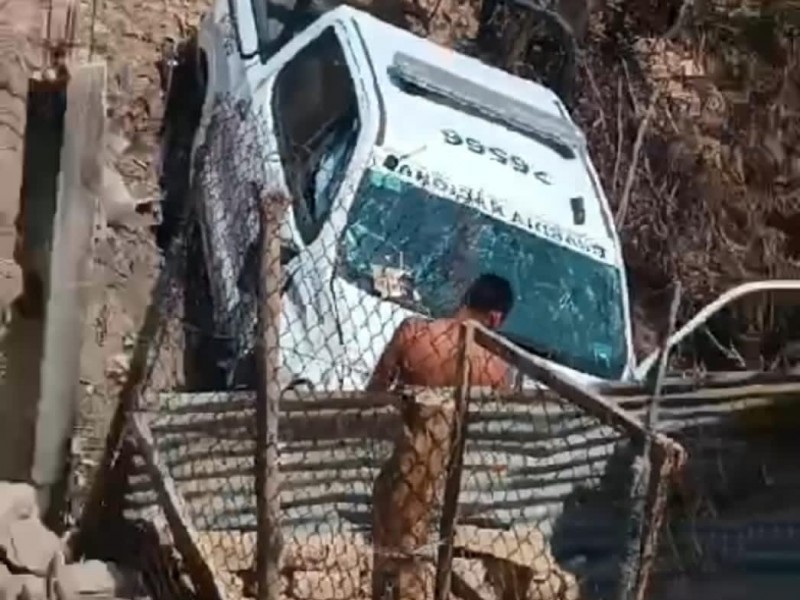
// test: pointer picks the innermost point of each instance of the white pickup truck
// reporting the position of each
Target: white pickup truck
(397, 153)
(425, 160)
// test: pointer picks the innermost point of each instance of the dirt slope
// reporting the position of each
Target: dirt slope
(714, 198)
(129, 35)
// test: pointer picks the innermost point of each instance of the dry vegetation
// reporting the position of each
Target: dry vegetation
(713, 199)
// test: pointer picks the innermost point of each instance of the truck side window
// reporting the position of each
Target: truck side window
(317, 124)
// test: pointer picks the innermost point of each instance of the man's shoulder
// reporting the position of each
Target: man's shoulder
(413, 325)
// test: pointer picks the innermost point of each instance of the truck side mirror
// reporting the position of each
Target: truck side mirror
(249, 22)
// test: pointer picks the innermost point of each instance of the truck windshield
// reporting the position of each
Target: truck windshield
(568, 306)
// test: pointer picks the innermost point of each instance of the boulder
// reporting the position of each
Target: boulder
(94, 579)
(471, 573)
(23, 587)
(28, 545)
(17, 501)
(5, 576)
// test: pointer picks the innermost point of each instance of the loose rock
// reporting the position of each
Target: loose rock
(94, 578)
(28, 545)
(473, 574)
(17, 501)
(325, 585)
(517, 561)
(23, 587)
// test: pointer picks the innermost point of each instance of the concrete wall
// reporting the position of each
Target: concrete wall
(70, 274)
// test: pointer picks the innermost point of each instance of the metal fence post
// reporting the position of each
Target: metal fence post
(269, 540)
(642, 474)
(452, 488)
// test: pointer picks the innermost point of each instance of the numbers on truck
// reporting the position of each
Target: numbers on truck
(451, 137)
(475, 146)
(519, 164)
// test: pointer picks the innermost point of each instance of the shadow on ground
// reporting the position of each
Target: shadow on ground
(20, 352)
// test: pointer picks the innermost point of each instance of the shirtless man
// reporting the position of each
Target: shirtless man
(425, 353)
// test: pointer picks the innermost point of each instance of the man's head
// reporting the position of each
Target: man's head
(491, 298)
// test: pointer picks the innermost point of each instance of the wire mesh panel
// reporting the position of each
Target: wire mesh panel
(197, 438)
(338, 296)
(731, 528)
(540, 472)
(197, 407)
(553, 477)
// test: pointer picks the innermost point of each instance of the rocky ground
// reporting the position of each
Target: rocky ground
(492, 564)
(35, 562)
(691, 109)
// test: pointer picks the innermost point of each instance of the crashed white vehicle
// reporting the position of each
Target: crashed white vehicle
(415, 158)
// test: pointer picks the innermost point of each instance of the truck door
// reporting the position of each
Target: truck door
(317, 108)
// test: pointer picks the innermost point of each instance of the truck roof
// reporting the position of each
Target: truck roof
(530, 178)
(383, 40)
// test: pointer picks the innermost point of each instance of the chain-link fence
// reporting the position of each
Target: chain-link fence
(730, 399)
(414, 454)
(731, 529)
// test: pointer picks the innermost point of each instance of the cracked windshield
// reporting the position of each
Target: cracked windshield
(568, 309)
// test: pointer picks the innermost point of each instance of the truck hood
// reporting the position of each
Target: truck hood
(502, 196)
(469, 144)
(535, 200)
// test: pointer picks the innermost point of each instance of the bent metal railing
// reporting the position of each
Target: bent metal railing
(507, 467)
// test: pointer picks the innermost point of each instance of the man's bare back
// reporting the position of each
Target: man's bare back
(425, 353)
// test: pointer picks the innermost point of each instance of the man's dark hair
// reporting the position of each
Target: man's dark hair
(489, 292)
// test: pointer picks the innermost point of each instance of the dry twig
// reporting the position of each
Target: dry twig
(620, 129)
(599, 97)
(637, 146)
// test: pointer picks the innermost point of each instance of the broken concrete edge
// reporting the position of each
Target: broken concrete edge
(34, 560)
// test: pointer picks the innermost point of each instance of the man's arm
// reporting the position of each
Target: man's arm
(389, 363)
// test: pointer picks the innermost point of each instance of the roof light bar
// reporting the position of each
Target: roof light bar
(524, 117)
